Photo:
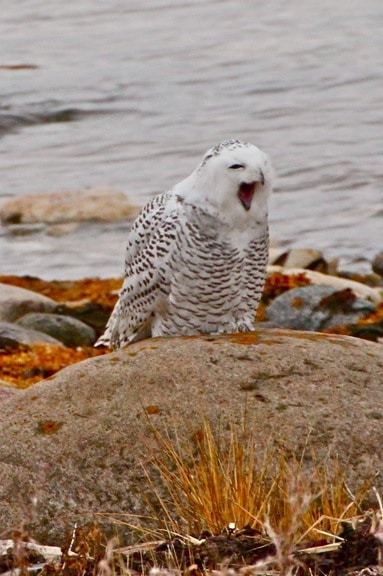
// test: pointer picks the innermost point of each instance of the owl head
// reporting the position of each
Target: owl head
(234, 178)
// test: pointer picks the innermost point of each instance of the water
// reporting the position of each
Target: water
(129, 94)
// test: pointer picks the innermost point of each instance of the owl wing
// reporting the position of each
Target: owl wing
(148, 222)
(146, 283)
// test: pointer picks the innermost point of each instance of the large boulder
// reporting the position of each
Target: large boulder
(74, 443)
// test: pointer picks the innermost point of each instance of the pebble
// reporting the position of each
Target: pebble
(70, 331)
(11, 335)
(90, 313)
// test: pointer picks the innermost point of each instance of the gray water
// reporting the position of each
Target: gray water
(130, 93)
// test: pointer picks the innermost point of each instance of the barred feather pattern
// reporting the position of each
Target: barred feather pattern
(216, 287)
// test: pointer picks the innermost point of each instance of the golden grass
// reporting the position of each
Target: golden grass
(221, 482)
(215, 481)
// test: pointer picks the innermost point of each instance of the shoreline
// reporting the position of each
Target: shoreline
(91, 301)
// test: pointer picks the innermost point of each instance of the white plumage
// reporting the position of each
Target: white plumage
(197, 254)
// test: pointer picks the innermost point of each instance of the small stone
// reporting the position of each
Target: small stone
(15, 302)
(11, 335)
(70, 331)
(90, 313)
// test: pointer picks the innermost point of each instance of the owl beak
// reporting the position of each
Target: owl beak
(246, 193)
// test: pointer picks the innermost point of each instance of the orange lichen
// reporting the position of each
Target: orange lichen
(342, 330)
(261, 315)
(374, 317)
(48, 426)
(246, 338)
(24, 366)
(341, 300)
(102, 291)
(152, 409)
(277, 283)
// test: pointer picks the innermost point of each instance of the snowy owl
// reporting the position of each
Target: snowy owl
(197, 254)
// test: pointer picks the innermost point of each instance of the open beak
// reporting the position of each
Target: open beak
(246, 193)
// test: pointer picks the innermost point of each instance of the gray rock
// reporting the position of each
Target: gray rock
(15, 302)
(11, 335)
(90, 313)
(68, 330)
(76, 442)
(317, 307)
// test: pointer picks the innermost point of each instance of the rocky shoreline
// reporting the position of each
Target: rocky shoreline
(64, 318)
(78, 422)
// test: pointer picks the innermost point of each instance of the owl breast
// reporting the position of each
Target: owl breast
(212, 285)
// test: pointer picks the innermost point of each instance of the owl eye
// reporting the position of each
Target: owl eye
(236, 166)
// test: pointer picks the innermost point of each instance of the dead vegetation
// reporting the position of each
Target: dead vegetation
(222, 505)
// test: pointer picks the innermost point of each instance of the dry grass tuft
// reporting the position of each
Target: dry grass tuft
(222, 504)
(214, 481)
